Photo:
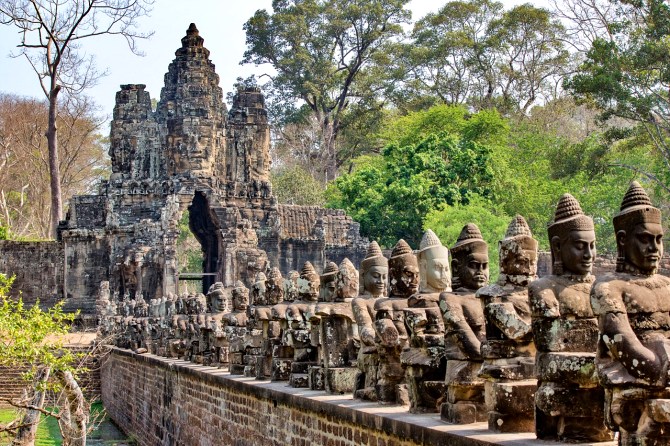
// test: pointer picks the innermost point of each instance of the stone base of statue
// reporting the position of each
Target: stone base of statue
(316, 378)
(642, 414)
(368, 366)
(465, 393)
(569, 406)
(236, 366)
(282, 358)
(340, 380)
(510, 405)
(281, 369)
(300, 374)
(390, 387)
(425, 369)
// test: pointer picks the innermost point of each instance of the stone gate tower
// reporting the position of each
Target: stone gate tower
(190, 153)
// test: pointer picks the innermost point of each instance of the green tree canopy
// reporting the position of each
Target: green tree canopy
(320, 51)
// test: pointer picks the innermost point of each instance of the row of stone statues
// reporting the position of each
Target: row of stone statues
(569, 356)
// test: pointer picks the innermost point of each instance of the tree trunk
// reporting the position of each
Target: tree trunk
(31, 419)
(74, 414)
(54, 168)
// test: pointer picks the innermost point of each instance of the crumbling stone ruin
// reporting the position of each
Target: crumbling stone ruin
(191, 153)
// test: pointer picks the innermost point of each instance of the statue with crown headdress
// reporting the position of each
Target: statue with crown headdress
(216, 353)
(464, 326)
(569, 401)
(633, 310)
(258, 358)
(423, 357)
(327, 290)
(282, 352)
(235, 326)
(390, 324)
(299, 331)
(337, 329)
(508, 352)
(373, 281)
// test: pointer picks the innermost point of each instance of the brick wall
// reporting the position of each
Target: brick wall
(160, 401)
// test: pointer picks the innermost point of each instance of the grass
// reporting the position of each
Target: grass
(48, 433)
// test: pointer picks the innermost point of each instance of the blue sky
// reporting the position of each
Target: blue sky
(220, 24)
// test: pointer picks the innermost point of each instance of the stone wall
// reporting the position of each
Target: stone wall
(38, 268)
(171, 402)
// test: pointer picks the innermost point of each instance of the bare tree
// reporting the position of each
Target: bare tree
(51, 33)
(24, 159)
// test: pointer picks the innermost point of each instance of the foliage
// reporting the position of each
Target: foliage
(626, 75)
(48, 433)
(4, 233)
(32, 335)
(472, 52)
(189, 250)
(320, 52)
(391, 195)
(24, 175)
(293, 185)
(448, 221)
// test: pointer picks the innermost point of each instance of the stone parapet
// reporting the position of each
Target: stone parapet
(162, 401)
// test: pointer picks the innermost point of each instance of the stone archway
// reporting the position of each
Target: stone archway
(207, 233)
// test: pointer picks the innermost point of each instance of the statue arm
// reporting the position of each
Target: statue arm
(543, 302)
(386, 329)
(505, 317)
(364, 321)
(622, 342)
(456, 323)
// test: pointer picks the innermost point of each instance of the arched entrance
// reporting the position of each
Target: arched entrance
(206, 233)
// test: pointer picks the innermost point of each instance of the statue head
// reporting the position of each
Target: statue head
(308, 284)
(639, 233)
(291, 286)
(403, 270)
(470, 259)
(346, 281)
(216, 297)
(327, 282)
(274, 287)
(518, 250)
(434, 272)
(374, 271)
(572, 238)
(258, 290)
(240, 296)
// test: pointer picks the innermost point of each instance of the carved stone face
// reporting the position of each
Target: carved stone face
(576, 251)
(218, 302)
(518, 258)
(405, 280)
(309, 288)
(240, 299)
(328, 289)
(644, 247)
(437, 273)
(473, 270)
(347, 284)
(374, 280)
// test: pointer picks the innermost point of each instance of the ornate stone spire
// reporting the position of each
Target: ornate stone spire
(518, 228)
(330, 269)
(469, 239)
(308, 270)
(636, 208)
(569, 217)
(429, 240)
(373, 257)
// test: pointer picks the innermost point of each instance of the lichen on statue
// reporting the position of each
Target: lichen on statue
(508, 351)
(569, 402)
(373, 273)
(423, 358)
(465, 328)
(390, 324)
(633, 310)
